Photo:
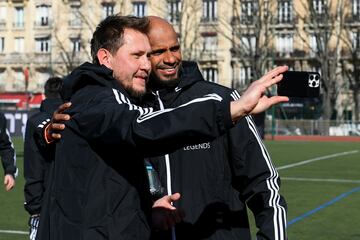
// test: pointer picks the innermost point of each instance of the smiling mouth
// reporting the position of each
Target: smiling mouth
(168, 71)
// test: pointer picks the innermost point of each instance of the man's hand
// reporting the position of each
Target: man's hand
(164, 214)
(9, 182)
(254, 100)
(56, 125)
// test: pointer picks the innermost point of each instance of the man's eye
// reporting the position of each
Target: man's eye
(155, 53)
(175, 49)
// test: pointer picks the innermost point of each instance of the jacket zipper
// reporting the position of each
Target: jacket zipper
(168, 172)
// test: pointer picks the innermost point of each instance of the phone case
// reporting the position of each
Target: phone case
(299, 84)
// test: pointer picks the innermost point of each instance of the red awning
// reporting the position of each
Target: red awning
(20, 100)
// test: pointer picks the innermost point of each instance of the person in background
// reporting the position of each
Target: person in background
(217, 179)
(8, 156)
(37, 160)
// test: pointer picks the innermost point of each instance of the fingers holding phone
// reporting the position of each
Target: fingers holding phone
(299, 84)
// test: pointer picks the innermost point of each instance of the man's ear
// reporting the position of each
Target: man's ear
(104, 57)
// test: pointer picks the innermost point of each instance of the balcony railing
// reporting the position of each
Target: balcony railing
(2, 24)
(353, 18)
(208, 20)
(286, 20)
(208, 55)
(284, 54)
(43, 23)
(75, 23)
(19, 25)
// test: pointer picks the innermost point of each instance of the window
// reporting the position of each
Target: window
(139, 9)
(42, 76)
(210, 74)
(245, 76)
(42, 45)
(75, 19)
(355, 39)
(76, 44)
(284, 43)
(2, 14)
(313, 43)
(107, 9)
(210, 43)
(19, 44)
(319, 6)
(266, 8)
(248, 43)
(209, 11)
(316, 43)
(2, 78)
(2, 44)
(285, 11)
(19, 82)
(248, 8)
(174, 8)
(19, 17)
(356, 8)
(42, 15)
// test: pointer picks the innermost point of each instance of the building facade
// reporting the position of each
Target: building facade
(234, 41)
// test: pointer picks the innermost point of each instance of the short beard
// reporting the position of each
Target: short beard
(133, 93)
(155, 83)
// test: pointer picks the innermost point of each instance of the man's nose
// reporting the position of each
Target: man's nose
(169, 57)
(145, 64)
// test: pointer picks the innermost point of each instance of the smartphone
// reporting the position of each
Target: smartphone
(299, 84)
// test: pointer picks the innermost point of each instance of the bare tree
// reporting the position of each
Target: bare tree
(184, 16)
(351, 60)
(74, 50)
(323, 22)
(251, 37)
(188, 26)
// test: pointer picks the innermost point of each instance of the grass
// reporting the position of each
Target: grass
(337, 221)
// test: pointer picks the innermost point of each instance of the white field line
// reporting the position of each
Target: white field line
(14, 232)
(283, 178)
(321, 180)
(316, 159)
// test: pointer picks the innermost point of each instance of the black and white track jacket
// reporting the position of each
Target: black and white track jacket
(37, 158)
(7, 151)
(216, 178)
(99, 185)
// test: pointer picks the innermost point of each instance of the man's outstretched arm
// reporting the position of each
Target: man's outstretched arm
(252, 101)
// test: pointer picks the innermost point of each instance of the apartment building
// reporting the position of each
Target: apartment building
(234, 41)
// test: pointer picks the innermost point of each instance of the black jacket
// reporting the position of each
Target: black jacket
(217, 177)
(37, 159)
(99, 183)
(7, 151)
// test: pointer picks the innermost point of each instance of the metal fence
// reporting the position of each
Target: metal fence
(312, 127)
(17, 122)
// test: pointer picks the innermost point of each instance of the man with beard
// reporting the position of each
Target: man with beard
(100, 188)
(216, 179)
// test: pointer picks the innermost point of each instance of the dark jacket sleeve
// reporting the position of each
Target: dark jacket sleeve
(257, 180)
(34, 167)
(7, 151)
(111, 117)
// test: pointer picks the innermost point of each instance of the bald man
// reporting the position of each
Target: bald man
(216, 179)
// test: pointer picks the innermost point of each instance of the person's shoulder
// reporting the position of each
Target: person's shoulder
(91, 92)
(37, 119)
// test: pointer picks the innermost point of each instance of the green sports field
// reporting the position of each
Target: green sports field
(320, 181)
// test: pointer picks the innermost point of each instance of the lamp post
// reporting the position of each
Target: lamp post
(26, 78)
